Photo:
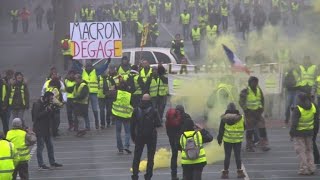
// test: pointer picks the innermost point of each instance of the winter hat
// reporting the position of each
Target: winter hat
(48, 94)
(180, 108)
(253, 78)
(232, 109)
(16, 123)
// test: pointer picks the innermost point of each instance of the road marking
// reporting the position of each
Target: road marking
(245, 172)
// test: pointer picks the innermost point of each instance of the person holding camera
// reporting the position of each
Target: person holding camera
(42, 113)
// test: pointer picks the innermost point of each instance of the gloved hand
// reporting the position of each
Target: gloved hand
(219, 142)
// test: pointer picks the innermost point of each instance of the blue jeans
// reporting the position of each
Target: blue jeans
(40, 145)
(126, 125)
(290, 101)
(93, 99)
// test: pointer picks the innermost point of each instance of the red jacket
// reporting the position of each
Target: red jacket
(24, 14)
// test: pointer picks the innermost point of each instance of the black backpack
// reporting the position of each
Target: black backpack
(146, 122)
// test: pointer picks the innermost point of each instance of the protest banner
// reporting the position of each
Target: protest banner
(96, 40)
(270, 78)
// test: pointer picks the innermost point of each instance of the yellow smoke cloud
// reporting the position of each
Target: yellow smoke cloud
(162, 158)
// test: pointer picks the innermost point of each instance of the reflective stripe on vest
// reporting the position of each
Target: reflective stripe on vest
(77, 91)
(199, 143)
(185, 18)
(224, 11)
(145, 76)
(212, 32)
(6, 157)
(234, 133)
(123, 72)
(90, 15)
(271, 82)
(17, 137)
(4, 92)
(134, 15)
(306, 120)
(122, 107)
(307, 76)
(68, 85)
(101, 81)
(157, 88)
(13, 89)
(195, 33)
(253, 100)
(91, 79)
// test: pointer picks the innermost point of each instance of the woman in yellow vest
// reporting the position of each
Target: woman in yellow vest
(193, 155)
(231, 132)
(304, 129)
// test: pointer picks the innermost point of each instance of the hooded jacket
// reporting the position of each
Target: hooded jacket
(230, 117)
(296, 116)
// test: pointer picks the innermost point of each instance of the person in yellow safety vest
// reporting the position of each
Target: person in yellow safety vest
(81, 104)
(295, 8)
(18, 136)
(124, 68)
(231, 132)
(211, 33)
(83, 14)
(303, 132)
(163, 91)
(145, 72)
(193, 155)
(191, 7)
(67, 50)
(116, 13)
(177, 46)
(252, 103)
(203, 20)
(124, 17)
(185, 20)
(14, 14)
(196, 37)
(283, 55)
(122, 111)
(9, 158)
(153, 32)
(54, 76)
(271, 85)
(102, 79)
(138, 29)
(153, 10)
(90, 14)
(135, 84)
(4, 93)
(18, 97)
(224, 16)
(168, 11)
(153, 85)
(69, 83)
(307, 73)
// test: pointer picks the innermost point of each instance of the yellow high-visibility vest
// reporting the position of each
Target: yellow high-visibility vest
(69, 84)
(306, 120)
(122, 107)
(253, 100)
(76, 92)
(198, 140)
(101, 81)
(140, 27)
(68, 51)
(7, 157)
(90, 14)
(138, 90)
(212, 32)
(145, 76)
(134, 15)
(4, 92)
(13, 89)
(91, 79)
(167, 6)
(224, 11)
(234, 133)
(153, 10)
(307, 76)
(18, 137)
(185, 18)
(196, 34)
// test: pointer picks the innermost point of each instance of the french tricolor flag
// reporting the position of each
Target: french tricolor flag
(237, 64)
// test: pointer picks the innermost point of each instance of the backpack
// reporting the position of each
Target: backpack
(191, 148)
(65, 45)
(173, 118)
(146, 124)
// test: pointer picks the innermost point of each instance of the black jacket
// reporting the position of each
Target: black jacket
(229, 118)
(142, 114)
(295, 120)
(41, 118)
